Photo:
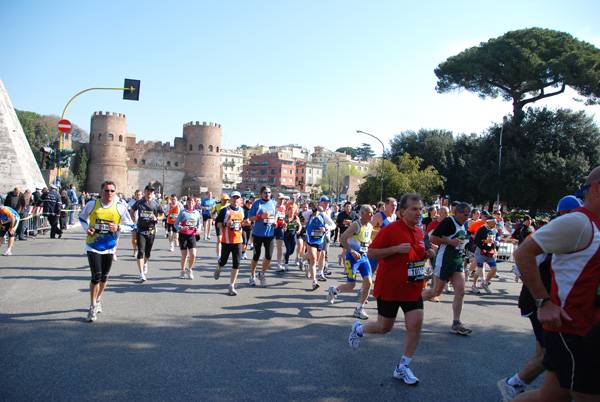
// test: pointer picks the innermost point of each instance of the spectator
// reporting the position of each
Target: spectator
(72, 194)
(64, 214)
(23, 210)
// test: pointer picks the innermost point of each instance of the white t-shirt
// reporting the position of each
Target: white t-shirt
(565, 234)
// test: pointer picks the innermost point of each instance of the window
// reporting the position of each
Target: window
(210, 148)
(99, 136)
(191, 147)
(217, 149)
(309, 170)
(200, 148)
(120, 138)
(263, 171)
(254, 171)
(176, 163)
(168, 163)
(143, 161)
(135, 161)
(302, 170)
(272, 171)
(284, 170)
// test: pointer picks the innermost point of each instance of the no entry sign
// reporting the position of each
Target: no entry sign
(64, 126)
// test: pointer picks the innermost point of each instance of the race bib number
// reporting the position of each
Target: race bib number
(280, 215)
(364, 247)
(236, 225)
(316, 234)
(102, 226)
(173, 215)
(416, 271)
(270, 221)
(146, 215)
(346, 222)
(191, 224)
(461, 246)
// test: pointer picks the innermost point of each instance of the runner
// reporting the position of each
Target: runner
(231, 220)
(188, 225)
(301, 237)
(572, 308)
(107, 217)
(246, 229)
(149, 213)
(291, 228)
(450, 235)
(279, 229)
(173, 209)
(343, 221)
(9, 218)
(137, 196)
(223, 203)
(262, 213)
(485, 253)
(355, 240)
(318, 224)
(206, 205)
(401, 252)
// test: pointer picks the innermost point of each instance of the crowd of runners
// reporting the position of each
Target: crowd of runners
(405, 255)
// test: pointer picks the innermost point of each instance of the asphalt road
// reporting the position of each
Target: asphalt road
(174, 340)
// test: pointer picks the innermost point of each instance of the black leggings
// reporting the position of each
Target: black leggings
(236, 254)
(269, 243)
(144, 244)
(100, 265)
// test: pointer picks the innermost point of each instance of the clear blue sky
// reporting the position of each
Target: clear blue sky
(271, 72)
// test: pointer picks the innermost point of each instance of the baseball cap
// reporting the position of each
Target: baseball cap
(568, 203)
(236, 194)
(485, 213)
(324, 199)
(280, 195)
(149, 188)
(53, 186)
(526, 217)
(224, 197)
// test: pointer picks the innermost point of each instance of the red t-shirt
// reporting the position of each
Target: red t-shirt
(392, 276)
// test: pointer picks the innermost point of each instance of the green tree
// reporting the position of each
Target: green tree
(348, 150)
(404, 176)
(80, 167)
(524, 66)
(364, 152)
(333, 178)
(545, 158)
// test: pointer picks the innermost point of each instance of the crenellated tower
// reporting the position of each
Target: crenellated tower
(108, 156)
(203, 159)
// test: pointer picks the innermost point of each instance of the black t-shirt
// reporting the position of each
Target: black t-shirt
(145, 212)
(344, 220)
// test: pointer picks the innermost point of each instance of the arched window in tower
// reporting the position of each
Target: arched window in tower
(200, 148)
(168, 163)
(176, 164)
(191, 147)
(111, 137)
(210, 148)
(217, 149)
(143, 161)
(135, 161)
(99, 136)
(120, 138)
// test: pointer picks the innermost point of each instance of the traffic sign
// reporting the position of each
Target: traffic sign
(64, 126)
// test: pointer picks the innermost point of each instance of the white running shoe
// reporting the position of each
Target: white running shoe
(217, 273)
(279, 268)
(252, 280)
(244, 257)
(509, 392)
(98, 306)
(360, 313)
(182, 274)
(331, 295)
(115, 257)
(232, 291)
(354, 338)
(262, 279)
(171, 248)
(145, 268)
(142, 277)
(91, 317)
(190, 273)
(287, 267)
(9, 252)
(474, 289)
(405, 374)
(315, 286)
(486, 287)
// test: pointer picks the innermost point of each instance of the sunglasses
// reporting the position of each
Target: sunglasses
(266, 192)
(106, 190)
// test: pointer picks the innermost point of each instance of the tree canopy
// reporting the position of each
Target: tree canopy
(348, 151)
(524, 66)
(364, 152)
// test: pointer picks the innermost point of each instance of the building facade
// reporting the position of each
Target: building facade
(232, 165)
(192, 165)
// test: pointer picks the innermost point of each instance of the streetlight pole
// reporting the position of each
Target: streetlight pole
(382, 160)
(500, 161)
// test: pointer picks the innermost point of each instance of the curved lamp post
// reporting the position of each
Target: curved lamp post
(382, 159)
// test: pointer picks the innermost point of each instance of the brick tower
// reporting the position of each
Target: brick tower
(108, 156)
(203, 159)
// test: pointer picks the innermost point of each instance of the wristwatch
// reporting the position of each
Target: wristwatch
(539, 302)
